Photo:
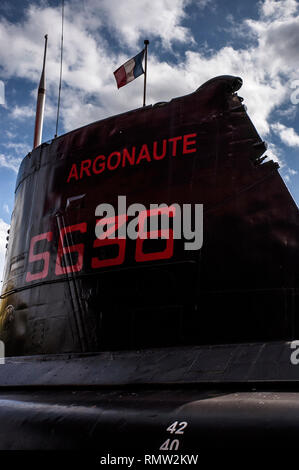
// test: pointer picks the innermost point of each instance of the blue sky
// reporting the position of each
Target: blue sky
(191, 41)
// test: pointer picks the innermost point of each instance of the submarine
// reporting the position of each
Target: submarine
(130, 347)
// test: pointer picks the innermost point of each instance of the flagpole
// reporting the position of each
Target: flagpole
(146, 43)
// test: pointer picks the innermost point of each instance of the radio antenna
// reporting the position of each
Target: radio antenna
(40, 104)
(61, 58)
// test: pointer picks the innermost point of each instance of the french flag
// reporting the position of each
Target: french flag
(130, 70)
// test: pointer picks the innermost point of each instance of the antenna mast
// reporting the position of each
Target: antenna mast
(61, 58)
(40, 104)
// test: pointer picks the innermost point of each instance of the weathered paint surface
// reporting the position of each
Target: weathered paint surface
(135, 423)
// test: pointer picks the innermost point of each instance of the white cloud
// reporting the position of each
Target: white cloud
(10, 135)
(10, 162)
(287, 134)
(275, 154)
(3, 234)
(279, 8)
(132, 20)
(22, 112)
(290, 174)
(18, 147)
(6, 208)
(289, 113)
(261, 96)
(89, 92)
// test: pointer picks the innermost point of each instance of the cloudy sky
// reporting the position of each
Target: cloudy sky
(191, 41)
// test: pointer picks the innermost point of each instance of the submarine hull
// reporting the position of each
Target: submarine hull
(131, 345)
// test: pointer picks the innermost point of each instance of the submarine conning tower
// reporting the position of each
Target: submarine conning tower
(66, 291)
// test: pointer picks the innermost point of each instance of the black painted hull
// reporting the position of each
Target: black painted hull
(241, 287)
